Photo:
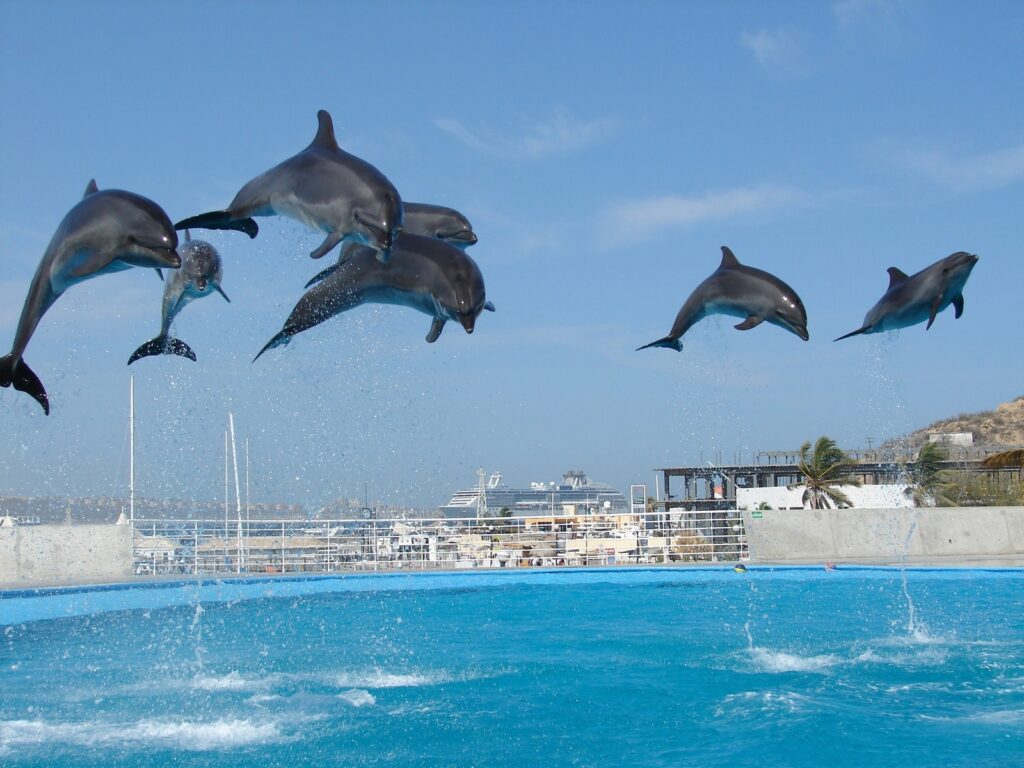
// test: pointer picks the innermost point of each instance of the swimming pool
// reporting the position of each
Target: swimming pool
(645, 667)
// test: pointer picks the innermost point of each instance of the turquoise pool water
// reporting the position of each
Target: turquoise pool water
(666, 667)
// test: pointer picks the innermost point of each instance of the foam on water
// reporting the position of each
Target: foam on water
(358, 697)
(186, 735)
(767, 660)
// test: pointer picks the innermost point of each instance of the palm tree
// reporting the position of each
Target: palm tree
(824, 470)
(930, 483)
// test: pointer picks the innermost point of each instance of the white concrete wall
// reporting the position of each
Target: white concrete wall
(934, 535)
(863, 496)
(37, 555)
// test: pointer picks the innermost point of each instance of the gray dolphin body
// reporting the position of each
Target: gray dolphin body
(326, 189)
(107, 231)
(420, 219)
(424, 273)
(916, 298)
(740, 291)
(199, 275)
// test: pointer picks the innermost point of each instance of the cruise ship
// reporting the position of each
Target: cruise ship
(577, 494)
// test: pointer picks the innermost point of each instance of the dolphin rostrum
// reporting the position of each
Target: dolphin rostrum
(913, 299)
(325, 188)
(420, 219)
(423, 273)
(107, 231)
(740, 291)
(199, 275)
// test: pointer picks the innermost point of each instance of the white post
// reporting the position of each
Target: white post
(238, 493)
(247, 482)
(131, 453)
(225, 498)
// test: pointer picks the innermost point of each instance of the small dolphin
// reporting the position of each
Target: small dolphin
(199, 275)
(914, 299)
(107, 231)
(420, 219)
(325, 188)
(740, 291)
(439, 221)
(424, 273)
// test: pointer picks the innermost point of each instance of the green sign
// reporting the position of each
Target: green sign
(757, 514)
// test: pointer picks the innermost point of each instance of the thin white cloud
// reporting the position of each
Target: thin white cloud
(778, 51)
(560, 133)
(642, 218)
(850, 13)
(989, 170)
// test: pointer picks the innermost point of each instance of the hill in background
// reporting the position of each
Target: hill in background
(1002, 426)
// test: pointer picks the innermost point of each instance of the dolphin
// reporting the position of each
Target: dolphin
(914, 299)
(740, 291)
(424, 273)
(420, 219)
(107, 231)
(199, 275)
(325, 188)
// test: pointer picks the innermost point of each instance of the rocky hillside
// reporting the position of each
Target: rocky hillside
(1002, 426)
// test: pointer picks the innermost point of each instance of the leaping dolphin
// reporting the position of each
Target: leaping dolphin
(914, 299)
(325, 188)
(740, 291)
(199, 275)
(424, 273)
(107, 231)
(420, 219)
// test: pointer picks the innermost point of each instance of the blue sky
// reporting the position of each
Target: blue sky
(603, 151)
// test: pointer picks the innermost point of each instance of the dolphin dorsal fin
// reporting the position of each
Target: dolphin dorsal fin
(91, 188)
(728, 258)
(896, 275)
(325, 131)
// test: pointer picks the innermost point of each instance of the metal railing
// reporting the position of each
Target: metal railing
(328, 546)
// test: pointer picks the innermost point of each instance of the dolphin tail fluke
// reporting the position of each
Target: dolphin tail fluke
(280, 340)
(858, 332)
(220, 220)
(668, 342)
(322, 275)
(163, 345)
(23, 379)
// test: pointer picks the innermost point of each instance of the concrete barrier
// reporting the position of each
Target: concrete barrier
(922, 536)
(40, 555)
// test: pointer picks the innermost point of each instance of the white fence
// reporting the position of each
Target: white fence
(326, 546)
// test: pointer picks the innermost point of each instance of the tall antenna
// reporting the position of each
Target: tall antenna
(131, 451)
(481, 495)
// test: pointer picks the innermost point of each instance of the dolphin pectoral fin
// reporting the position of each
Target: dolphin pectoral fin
(934, 311)
(24, 380)
(220, 290)
(220, 220)
(279, 340)
(668, 342)
(751, 322)
(852, 333)
(435, 329)
(163, 345)
(325, 247)
(958, 304)
(322, 275)
(489, 306)
(160, 274)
